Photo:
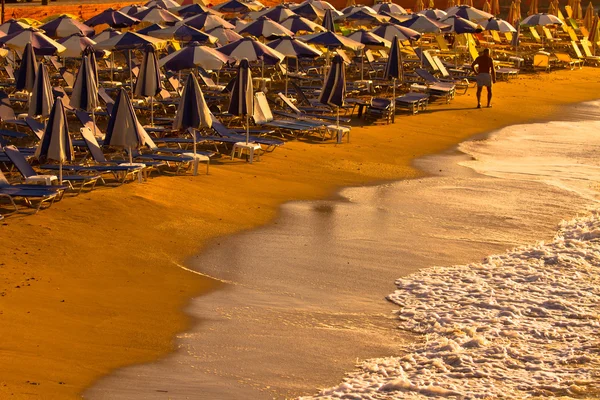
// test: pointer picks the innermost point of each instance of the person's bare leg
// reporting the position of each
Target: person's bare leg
(479, 89)
(489, 93)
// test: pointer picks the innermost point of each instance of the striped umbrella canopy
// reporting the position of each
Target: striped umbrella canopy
(369, 39)
(148, 79)
(279, 13)
(294, 48)
(333, 92)
(394, 71)
(331, 40)
(389, 31)
(241, 100)
(497, 24)
(157, 15)
(252, 50)
(588, 19)
(296, 24)
(150, 28)
(540, 19)
(389, 7)
(236, 6)
(433, 13)
(43, 45)
(309, 11)
(184, 33)
(166, 4)
(207, 22)
(194, 55)
(460, 25)
(106, 34)
(353, 9)
(418, 6)
(132, 9)
(64, 26)
(42, 98)
(113, 18)
(265, 28)
(129, 41)
(322, 4)
(421, 23)
(189, 10)
(85, 89)
(328, 21)
(27, 70)
(239, 23)
(225, 36)
(363, 17)
(495, 10)
(76, 44)
(12, 25)
(55, 143)
(594, 36)
(469, 13)
(124, 130)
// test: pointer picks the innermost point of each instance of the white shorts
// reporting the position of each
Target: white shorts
(484, 79)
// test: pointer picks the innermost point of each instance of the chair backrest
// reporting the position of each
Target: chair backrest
(541, 60)
(289, 103)
(584, 31)
(164, 94)
(174, 83)
(424, 74)
(88, 122)
(508, 36)
(585, 45)
(68, 77)
(36, 127)
(572, 33)
(10, 71)
(441, 41)
(105, 96)
(92, 145)
(496, 36)
(547, 33)
(59, 91)
(535, 34)
(261, 112)
(219, 127)
(19, 161)
(3, 181)
(473, 51)
(207, 80)
(576, 49)
(300, 93)
(564, 57)
(6, 111)
(441, 67)
(381, 103)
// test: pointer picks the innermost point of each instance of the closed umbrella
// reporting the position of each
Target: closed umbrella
(113, 18)
(242, 97)
(55, 143)
(394, 71)
(333, 92)
(194, 55)
(328, 21)
(495, 9)
(192, 111)
(207, 22)
(296, 24)
(27, 70)
(42, 99)
(450, 3)
(64, 26)
(85, 89)
(91, 54)
(594, 35)
(487, 7)
(124, 130)
(418, 6)
(533, 8)
(148, 79)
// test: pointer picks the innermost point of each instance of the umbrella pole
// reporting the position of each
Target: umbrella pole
(393, 100)
(130, 74)
(94, 119)
(362, 64)
(130, 156)
(195, 159)
(60, 175)
(286, 82)
(151, 110)
(247, 128)
(112, 65)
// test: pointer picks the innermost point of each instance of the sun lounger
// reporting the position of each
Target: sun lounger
(230, 136)
(589, 57)
(7, 113)
(566, 60)
(449, 85)
(414, 102)
(380, 109)
(303, 112)
(42, 194)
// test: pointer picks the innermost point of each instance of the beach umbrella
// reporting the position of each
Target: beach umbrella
(487, 7)
(190, 10)
(157, 15)
(279, 13)
(331, 40)
(124, 130)
(27, 70)
(328, 21)
(433, 13)
(293, 48)
(594, 35)
(236, 6)
(296, 24)
(184, 33)
(418, 6)
(76, 44)
(588, 19)
(166, 4)
(42, 44)
(112, 18)
(132, 9)
(363, 17)
(42, 98)
(393, 70)
(194, 55)
(354, 8)
(389, 7)
(333, 92)
(241, 100)
(370, 40)
(251, 50)
(540, 19)
(265, 28)
(192, 111)
(90, 52)
(225, 36)
(106, 34)
(148, 79)
(207, 22)
(85, 89)
(460, 25)
(469, 13)
(422, 24)
(150, 28)
(497, 24)
(55, 143)
(65, 26)
(309, 11)
(388, 31)
(495, 9)
(12, 26)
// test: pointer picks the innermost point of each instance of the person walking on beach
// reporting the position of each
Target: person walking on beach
(483, 66)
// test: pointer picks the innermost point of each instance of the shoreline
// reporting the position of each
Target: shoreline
(132, 320)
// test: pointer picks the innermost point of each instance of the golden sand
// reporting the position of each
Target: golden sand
(94, 283)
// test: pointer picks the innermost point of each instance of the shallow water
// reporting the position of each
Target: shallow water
(305, 298)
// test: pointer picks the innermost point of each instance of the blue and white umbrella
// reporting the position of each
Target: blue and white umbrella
(190, 10)
(55, 143)
(541, 19)
(132, 9)
(389, 7)
(158, 15)
(166, 4)
(293, 48)
(242, 97)
(460, 25)
(296, 24)
(469, 13)
(389, 31)
(194, 55)
(42, 98)
(207, 22)
(90, 52)
(328, 21)
(148, 79)
(184, 33)
(64, 26)
(266, 28)
(150, 28)
(497, 24)
(370, 40)
(192, 111)
(76, 44)
(12, 25)
(331, 41)
(515, 37)
(279, 13)
(423, 24)
(27, 70)
(361, 16)
(124, 130)
(43, 45)
(433, 13)
(85, 89)
(106, 34)
(333, 92)
(236, 6)
(252, 50)
(224, 35)
(112, 18)
(355, 8)
(309, 11)
(394, 70)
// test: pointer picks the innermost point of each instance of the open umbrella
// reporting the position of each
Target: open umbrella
(166, 4)
(333, 92)
(266, 28)
(184, 33)
(190, 10)
(389, 7)
(251, 50)
(64, 26)
(540, 19)
(42, 99)
(460, 25)
(148, 79)
(43, 45)
(132, 9)
(422, 24)
(588, 19)
(354, 8)
(393, 70)
(309, 11)
(76, 44)
(124, 130)
(363, 17)
(241, 101)
(433, 13)
(106, 34)
(370, 40)
(157, 15)
(55, 143)
(224, 35)
(85, 90)
(150, 28)
(192, 111)
(388, 31)
(331, 41)
(112, 18)
(207, 22)
(296, 24)
(236, 6)
(27, 70)
(279, 13)
(497, 24)
(293, 48)
(469, 13)
(194, 55)
(12, 25)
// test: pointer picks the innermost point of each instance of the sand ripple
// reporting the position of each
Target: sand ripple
(517, 325)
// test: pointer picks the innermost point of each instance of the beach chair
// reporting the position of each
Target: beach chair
(566, 60)
(42, 194)
(589, 57)
(229, 136)
(541, 60)
(413, 102)
(301, 113)
(29, 174)
(7, 113)
(450, 85)
(379, 110)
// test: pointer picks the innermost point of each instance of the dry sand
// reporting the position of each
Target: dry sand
(94, 283)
